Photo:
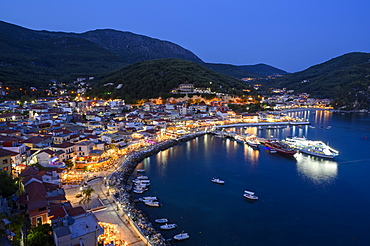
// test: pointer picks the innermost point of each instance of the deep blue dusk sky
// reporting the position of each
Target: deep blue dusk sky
(289, 34)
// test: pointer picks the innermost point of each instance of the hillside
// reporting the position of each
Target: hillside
(346, 79)
(29, 57)
(230, 70)
(262, 69)
(154, 78)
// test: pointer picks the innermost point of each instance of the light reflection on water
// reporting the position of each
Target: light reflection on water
(317, 169)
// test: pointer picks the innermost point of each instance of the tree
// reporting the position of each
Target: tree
(87, 193)
(41, 235)
(69, 164)
(8, 185)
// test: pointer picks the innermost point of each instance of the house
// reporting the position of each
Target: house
(6, 160)
(11, 117)
(68, 148)
(83, 148)
(49, 158)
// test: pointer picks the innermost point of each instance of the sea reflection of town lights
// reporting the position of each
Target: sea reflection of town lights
(251, 154)
(317, 169)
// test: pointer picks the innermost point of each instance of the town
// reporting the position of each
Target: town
(57, 147)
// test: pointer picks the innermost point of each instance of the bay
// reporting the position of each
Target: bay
(303, 200)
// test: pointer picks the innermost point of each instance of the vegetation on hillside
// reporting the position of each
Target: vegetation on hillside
(157, 78)
(345, 79)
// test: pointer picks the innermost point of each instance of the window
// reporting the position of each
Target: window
(5, 161)
(5, 168)
(39, 220)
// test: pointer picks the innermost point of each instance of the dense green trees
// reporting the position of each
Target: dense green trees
(8, 185)
(40, 235)
(154, 78)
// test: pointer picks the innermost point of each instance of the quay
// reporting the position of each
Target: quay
(283, 123)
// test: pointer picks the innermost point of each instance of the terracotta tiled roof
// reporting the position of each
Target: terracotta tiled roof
(29, 171)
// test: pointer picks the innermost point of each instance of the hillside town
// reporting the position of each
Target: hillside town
(57, 148)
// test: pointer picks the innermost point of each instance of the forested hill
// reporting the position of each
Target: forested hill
(345, 78)
(154, 78)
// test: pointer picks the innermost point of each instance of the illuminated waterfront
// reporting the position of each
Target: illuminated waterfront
(304, 200)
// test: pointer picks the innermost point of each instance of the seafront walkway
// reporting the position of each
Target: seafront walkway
(107, 211)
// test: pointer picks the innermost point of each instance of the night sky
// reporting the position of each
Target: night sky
(288, 34)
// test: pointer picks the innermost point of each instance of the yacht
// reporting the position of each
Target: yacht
(311, 147)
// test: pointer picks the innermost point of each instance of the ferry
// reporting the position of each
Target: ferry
(311, 147)
(280, 147)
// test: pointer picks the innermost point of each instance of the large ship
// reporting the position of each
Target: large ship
(310, 147)
(280, 147)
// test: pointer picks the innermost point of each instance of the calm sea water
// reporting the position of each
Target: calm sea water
(303, 200)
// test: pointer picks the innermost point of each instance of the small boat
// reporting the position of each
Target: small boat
(253, 142)
(153, 198)
(250, 195)
(138, 191)
(152, 204)
(140, 171)
(168, 226)
(161, 220)
(312, 127)
(181, 236)
(142, 177)
(327, 128)
(273, 151)
(217, 181)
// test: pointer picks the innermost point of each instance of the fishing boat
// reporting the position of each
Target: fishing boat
(217, 181)
(168, 226)
(311, 147)
(153, 198)
(161, 220)
(181, 236)
(250, 195)
(280, 147)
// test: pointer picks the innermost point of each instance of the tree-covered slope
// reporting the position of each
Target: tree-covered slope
(154, 78)
(346, 79)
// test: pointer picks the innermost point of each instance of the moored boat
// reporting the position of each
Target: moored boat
(161, 220)
(181, 236)
(253, 142)
(168, 226)
(152, 203)
(280, 147)
(311, 147)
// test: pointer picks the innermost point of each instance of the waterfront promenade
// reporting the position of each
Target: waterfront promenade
(109, 212)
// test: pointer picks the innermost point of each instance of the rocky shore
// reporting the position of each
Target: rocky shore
(119, 181)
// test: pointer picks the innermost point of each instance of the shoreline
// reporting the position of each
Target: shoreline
(119, 181)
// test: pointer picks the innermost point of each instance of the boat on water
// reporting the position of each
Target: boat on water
(153, 198)
(141, 177)
(250, 195)
(140, 170)
(311, 147)
(312, 127)
(168, 226)
(217, 181)
(161, 220)
(253, 142)
(280, 147)
(181, 236)
(151, 203)
(239, 139)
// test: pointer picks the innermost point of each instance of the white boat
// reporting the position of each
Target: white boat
(312, 127)
(253, 142)
(181, 236)
(161, 220)
(153, 198)
(217, 181)
(250, 195)
(142, 177)
(138, 191)
(311, 147)
(152, 203)
(273, 151)
(168, 226)
(140, 171)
